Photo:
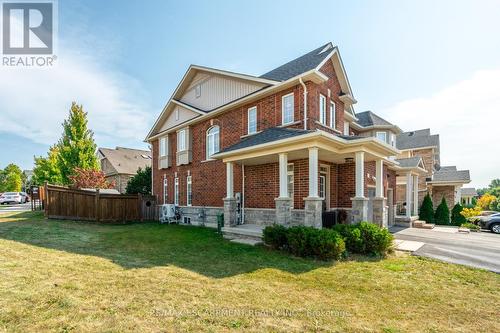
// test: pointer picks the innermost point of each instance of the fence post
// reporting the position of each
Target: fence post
(97, 206)
(141, 213)
(45, 202)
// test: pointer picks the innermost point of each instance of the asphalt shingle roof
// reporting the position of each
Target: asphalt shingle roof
(469, 191)
(368, 118)
(451, 176)
(266, 136)
(417, 139)
(300, 65)
(127, 160)
(410, 162)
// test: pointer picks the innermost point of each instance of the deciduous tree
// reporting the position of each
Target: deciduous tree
(140, 182)
(89, 178)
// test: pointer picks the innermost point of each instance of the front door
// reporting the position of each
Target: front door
(324, 189)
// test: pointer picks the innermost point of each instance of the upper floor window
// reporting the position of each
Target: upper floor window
(393, 140)
(287, 109)
(382, 136)
(332, 114)
(252, 120)
(181, 140)
(322, 109)
(346, 128)
(163, 146)
(212, 141)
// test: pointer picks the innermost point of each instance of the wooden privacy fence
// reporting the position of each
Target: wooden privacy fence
(65, 203)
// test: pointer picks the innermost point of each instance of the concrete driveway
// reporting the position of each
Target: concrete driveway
(475, 249)
(15, 208)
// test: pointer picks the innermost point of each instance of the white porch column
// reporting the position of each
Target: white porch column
(360, 174)
(415, 195)
(229, 180)
(283, 162)
(408, 194)
(313, 172)
(379, 181)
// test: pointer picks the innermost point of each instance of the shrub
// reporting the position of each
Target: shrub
(470, 226)
(275, 236)
(426, 212)
(298, 240)
(456, 217)
(352, 237)
(485, 200)
(442, 215)
(365, 238)
(326, 244)
(471, 212)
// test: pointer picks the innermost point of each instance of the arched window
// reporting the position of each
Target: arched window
(212, 141)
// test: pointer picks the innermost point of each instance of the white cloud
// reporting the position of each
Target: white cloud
(466, 115)
(34, 102)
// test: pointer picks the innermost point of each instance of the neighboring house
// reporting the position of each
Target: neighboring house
(467, 194)
(438, 181)
(121, 164)
(278, 148)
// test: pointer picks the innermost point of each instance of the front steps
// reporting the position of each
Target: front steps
(423, 225)
(250, 234)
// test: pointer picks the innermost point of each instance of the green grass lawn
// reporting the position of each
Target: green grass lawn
(69, 276)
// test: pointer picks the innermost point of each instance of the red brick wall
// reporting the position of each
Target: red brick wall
(261, 185)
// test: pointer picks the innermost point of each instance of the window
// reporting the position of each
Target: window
(322, 109)
(189, 188)
(382, 136)
(287, 109)
(186, 220)
(197, 91)
(176, 191)
(393, 140)
(290, 180)
(332, 114)
(163, 147)
(322, 186)
(212, 141)
(252, 120)
(165, 190)
(181, 140)
(346, 128)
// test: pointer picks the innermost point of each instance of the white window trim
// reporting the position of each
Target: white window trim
(165, 190)
(283, 109)
(189, 190)
(163, 146)
(253, 108)
(176, 191)
(381, 132)
(347, 128)
(182, 133)
(322, 110)
(207, 143)
(332, 114)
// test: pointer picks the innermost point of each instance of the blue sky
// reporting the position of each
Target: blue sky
(417, 63)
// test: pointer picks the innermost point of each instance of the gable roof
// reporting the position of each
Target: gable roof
(368, 118)
(469, 191)
(448, 168)
(268, 135)
(450, 175)
(126, 160)
(417, 139)
(411, 162)
(300, 65)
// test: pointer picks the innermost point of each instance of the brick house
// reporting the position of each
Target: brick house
(282, 147)
(121, 164)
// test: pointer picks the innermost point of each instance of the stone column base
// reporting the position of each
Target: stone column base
(283, 210)
(359, 210)
(313, 212)
(230, 214)
(380, 212)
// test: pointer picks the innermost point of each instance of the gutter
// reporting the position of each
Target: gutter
(305, 102)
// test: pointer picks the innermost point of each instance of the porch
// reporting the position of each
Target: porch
(314, 173)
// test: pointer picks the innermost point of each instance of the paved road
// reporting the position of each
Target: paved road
(15, 208)
(476, 249)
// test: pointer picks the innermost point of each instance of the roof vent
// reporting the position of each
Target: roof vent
(326, 48)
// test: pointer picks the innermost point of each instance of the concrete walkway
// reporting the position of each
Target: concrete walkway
(475, 249)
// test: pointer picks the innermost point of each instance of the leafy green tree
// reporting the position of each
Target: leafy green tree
(495, 183)
(456, 217)
(140, 182)
(11, 179)
(47, 169)
(426, 212)
(76, 147)
(442, 215)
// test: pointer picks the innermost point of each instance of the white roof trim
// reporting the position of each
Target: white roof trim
(342, 69)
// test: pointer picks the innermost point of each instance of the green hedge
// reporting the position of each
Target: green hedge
(362, 238)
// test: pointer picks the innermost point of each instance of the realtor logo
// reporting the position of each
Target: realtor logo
(28, 28)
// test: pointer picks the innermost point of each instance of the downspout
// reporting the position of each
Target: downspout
(242, 193)
(305, 102)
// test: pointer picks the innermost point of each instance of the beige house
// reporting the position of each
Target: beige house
(121, 164)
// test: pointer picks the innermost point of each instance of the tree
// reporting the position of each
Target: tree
(495, 183)
(485, 200)
(494, 204)
(77, 148)
(442, 215)
(83, 178)
(11, 179)
(47, 169)
(456, 215)
(426, 212)
(140, 182)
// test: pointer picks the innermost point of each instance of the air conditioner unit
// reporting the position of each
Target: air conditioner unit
(167, 212)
